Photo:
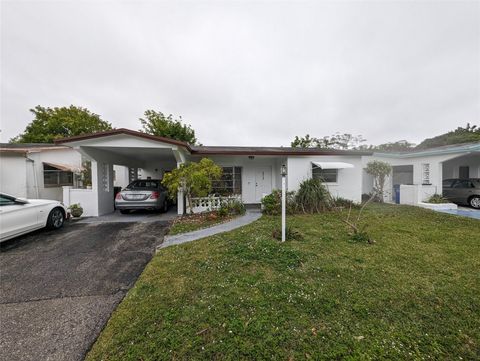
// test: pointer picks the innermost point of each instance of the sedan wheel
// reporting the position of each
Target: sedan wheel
(55, 219)
(475, 202)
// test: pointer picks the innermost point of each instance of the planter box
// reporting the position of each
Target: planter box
(437, 206)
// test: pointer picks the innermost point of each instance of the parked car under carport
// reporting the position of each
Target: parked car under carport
(142, 194)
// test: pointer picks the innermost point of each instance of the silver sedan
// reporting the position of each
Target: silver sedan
(142, 194)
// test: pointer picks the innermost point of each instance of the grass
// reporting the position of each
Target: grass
(197, 221)
(412, 295)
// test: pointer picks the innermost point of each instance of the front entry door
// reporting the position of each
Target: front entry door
(263, 182)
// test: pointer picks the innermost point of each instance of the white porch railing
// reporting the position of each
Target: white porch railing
(210, 203)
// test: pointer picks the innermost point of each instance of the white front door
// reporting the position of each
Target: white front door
(263, 182)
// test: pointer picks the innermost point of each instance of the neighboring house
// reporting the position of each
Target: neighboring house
(420, 173)
(38, 170)
(121, 155)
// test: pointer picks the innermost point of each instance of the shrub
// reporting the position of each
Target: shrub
(340, 202)
(272, 204)
(291, 234)
(437, 198)
(231, 207)
(313, 197)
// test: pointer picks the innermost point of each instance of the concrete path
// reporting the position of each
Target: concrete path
(249, 217)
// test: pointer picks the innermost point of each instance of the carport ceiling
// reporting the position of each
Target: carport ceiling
(141, 155)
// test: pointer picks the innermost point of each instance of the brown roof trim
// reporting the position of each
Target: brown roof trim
(122, 131)
(289, 153)
(30, 150)
(225, 151)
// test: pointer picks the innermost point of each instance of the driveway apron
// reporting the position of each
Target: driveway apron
(58, 288)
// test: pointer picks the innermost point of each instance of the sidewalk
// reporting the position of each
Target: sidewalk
(249, 217)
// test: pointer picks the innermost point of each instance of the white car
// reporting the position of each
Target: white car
(19, 216)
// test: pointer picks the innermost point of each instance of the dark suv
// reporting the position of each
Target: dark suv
(463, 191)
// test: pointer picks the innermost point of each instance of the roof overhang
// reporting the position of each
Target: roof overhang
(333, 165)
(121, 131)
(64, 167)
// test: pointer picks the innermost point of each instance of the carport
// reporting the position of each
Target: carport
(464, 166)
(155, 155)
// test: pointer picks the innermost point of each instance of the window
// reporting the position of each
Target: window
(464, 172)
(145, 184)
(56, 177)
(325, 175)
(230, 183)
(463, 184)
(426, 173)
(447, 183)
(6, 201)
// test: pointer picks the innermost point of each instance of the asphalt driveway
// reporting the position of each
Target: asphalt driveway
(58, 288)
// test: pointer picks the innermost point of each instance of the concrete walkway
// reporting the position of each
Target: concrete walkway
(249, 217)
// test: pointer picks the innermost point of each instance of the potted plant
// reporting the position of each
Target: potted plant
(76, 210)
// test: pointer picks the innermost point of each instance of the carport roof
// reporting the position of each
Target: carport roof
(217, 150)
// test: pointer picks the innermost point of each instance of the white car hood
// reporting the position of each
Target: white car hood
(42, 201)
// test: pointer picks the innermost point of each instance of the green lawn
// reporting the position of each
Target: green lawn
(414, 294)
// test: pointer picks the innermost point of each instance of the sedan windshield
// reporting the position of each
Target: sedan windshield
(144, 184)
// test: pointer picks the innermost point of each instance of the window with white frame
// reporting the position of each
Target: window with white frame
(230, 183)
(325, 175)
(426, 173)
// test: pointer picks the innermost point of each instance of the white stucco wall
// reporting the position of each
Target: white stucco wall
(121, 176)
(349, 180)
(13, 174)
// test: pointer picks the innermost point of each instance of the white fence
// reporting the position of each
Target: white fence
(203, 204)
(87, 198)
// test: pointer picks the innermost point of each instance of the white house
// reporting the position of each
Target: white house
(38, 170)
(120, 155)
(249, 172)
(420, 173)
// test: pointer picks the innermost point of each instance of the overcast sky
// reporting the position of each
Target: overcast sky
(248, 73)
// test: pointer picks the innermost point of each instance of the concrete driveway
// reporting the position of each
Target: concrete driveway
(58, 288)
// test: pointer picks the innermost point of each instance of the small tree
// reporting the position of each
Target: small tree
(379, 170)
(194, 179)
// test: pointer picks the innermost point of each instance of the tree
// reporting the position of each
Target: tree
(156, 123)
(194, 179)
(398, 146)
(379, 170)
(471, 133)
(60, 122)
(335, 141)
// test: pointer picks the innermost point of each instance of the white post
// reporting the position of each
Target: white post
(284, 202)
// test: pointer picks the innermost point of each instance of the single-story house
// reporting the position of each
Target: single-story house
(419, 174)
(249, 172)
(118, 156)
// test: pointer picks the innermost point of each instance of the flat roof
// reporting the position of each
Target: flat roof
(444, 149)
(217, 150)
(240, 150)
(28, 147)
